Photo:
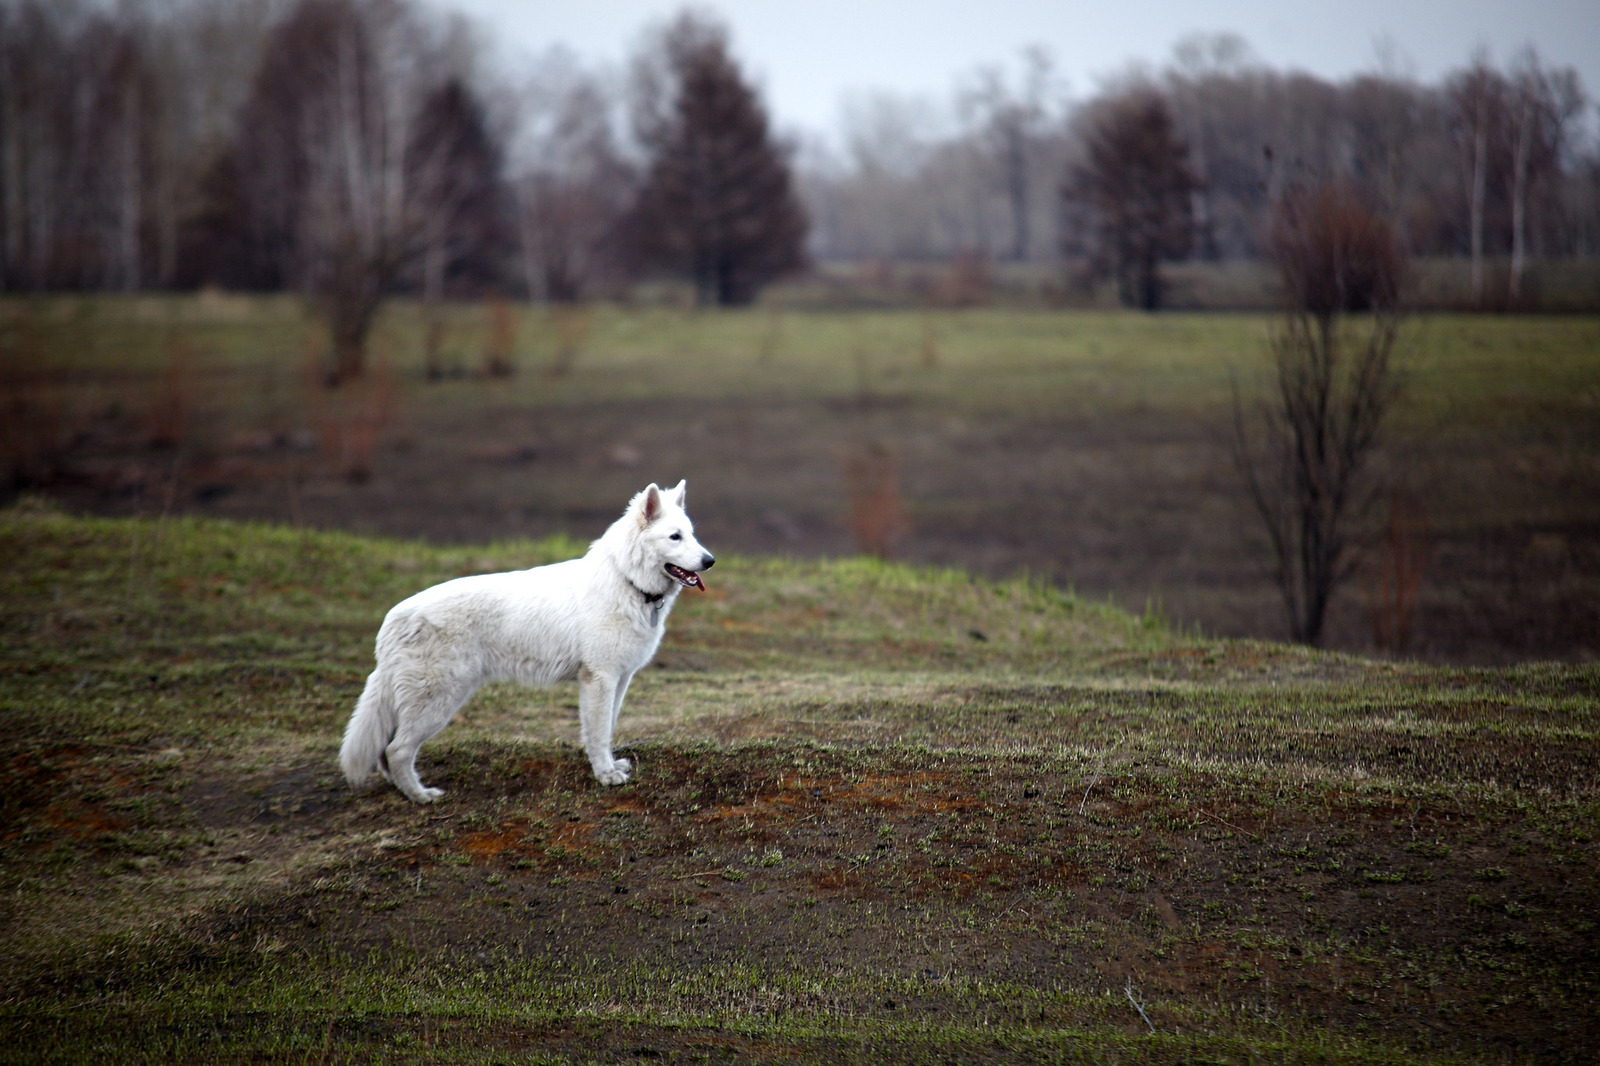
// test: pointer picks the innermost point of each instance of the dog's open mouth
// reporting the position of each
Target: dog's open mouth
(687, 578)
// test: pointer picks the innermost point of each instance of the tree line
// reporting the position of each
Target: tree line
(348, 149)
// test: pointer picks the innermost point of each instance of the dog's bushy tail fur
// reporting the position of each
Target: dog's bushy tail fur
(370, 729)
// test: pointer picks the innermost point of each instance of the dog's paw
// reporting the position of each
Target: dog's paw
(617, 775)
(428, 795)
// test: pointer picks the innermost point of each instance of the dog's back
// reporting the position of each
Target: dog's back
(436, 647)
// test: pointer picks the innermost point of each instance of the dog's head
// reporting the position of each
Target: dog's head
(664, 527)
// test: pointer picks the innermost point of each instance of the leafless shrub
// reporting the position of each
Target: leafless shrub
(173, 401)
(1400, 558)
(1307, 467)
(877, 516)
(497, 353)
(967, 281)
(349, 422)
(571, 325)
(1335, 255)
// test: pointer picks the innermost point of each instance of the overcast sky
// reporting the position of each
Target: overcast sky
(807, 55)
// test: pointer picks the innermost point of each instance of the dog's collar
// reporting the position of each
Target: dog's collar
(651, 598)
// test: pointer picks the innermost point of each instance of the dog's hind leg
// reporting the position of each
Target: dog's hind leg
(423, 716)
(597, 707)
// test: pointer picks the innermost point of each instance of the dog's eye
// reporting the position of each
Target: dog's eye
(676, 536)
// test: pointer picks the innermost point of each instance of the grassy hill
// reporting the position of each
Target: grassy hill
(882, 814)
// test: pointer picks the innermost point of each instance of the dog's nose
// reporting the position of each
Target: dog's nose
(708, 562)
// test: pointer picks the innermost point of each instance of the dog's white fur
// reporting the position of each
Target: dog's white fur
(598, 618)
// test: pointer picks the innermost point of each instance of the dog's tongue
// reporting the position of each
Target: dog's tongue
(687, 578)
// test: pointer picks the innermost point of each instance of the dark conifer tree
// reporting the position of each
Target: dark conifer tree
(1136, 184)
(462, 205)
(718, 202)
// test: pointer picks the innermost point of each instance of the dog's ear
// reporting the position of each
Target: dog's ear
(650, 504)
(679, 491)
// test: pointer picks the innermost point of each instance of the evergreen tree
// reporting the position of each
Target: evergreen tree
(718, 202)
(1137, 185)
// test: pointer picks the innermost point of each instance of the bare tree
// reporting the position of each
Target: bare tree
(717, 203)
(1387, 136)
(914, 183)
(1478, 100)
(879, 204)
(355, 235)
(1136, 183)
(359, 152)
(573, 185)
(917, 188)
(1333, 385)
(1542, 104)
(109, 114)
(75, 109)
(1011, 121)
(1205, 67)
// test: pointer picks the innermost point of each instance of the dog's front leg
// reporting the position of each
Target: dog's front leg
(597, 693)
(616, 700)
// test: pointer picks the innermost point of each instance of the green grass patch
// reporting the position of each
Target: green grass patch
(882, 812)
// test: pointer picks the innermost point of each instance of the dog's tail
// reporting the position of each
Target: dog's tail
(371, 728)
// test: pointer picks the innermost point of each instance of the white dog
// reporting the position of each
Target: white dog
(598, 618)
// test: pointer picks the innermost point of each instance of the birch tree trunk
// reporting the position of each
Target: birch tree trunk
(1480, 160)
(1519, 196)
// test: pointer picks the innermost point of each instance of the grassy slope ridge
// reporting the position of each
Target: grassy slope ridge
(882, 813)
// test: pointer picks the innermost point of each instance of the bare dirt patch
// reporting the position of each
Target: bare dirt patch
(1360, 911)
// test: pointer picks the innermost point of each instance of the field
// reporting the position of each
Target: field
(1087, 448)
(883, 813)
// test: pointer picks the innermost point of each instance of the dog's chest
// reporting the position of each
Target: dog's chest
(654, 609)
(633, 631)
(643, 638)
(650, 614)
